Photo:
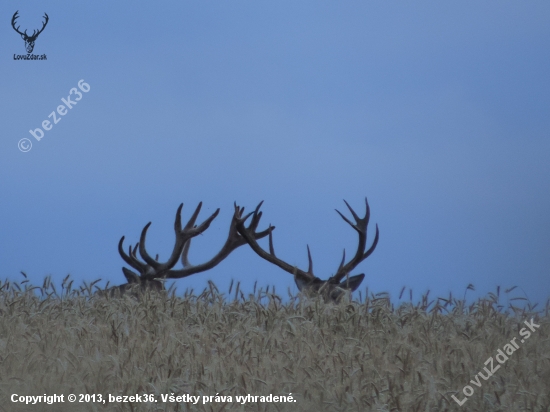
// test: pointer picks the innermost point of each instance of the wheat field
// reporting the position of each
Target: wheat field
(360, 355)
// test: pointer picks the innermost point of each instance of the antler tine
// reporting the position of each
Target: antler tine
(129, 258)
(310, 264)
(271, 248)
(257, 210)
(264, 233)
(374, 243)
(345, 218)
(353, 211)
(177, 221)
(190, 230)
(343, 260)
(256, 216)
(143, 252)
(243, 219)
(133, 251)
(360, 224)
(184, 259)
(191, 223)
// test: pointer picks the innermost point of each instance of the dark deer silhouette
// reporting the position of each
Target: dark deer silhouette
(152, 273)
(336, 286)
(29, 40)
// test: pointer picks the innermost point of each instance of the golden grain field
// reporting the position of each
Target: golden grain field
(366, 355)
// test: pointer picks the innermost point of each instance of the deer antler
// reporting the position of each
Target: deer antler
(152, 269)
(234, 240)
(307, 281)
(182, 237)
(270, 256)
(361, 227)
(13, 19)
(35, 33)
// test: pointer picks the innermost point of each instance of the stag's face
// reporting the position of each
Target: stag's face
(136, 285)
(29, 42)
(330, 291)
(137, 289)
(141, 283)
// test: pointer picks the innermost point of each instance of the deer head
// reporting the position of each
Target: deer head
(152, 273)
(338, 284)
(29, 40)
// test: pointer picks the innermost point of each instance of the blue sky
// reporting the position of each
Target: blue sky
(436, 111)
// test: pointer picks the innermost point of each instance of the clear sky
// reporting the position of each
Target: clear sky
(438, 112)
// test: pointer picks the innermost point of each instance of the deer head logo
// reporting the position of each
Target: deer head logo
(29, 40)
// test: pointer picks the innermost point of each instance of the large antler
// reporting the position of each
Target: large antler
(35, 33)
(152, 269)
(270, 256)
(307, 281)
(360, 226)
(234, 240)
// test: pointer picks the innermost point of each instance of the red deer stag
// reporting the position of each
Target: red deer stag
(337, 285)
(152, 272)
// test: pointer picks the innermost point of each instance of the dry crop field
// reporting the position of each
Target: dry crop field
(361, 355)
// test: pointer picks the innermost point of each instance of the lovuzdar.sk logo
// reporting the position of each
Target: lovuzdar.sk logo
(29, 39)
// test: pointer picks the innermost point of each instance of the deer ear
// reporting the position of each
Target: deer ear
(353, 282)
(131, 277)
